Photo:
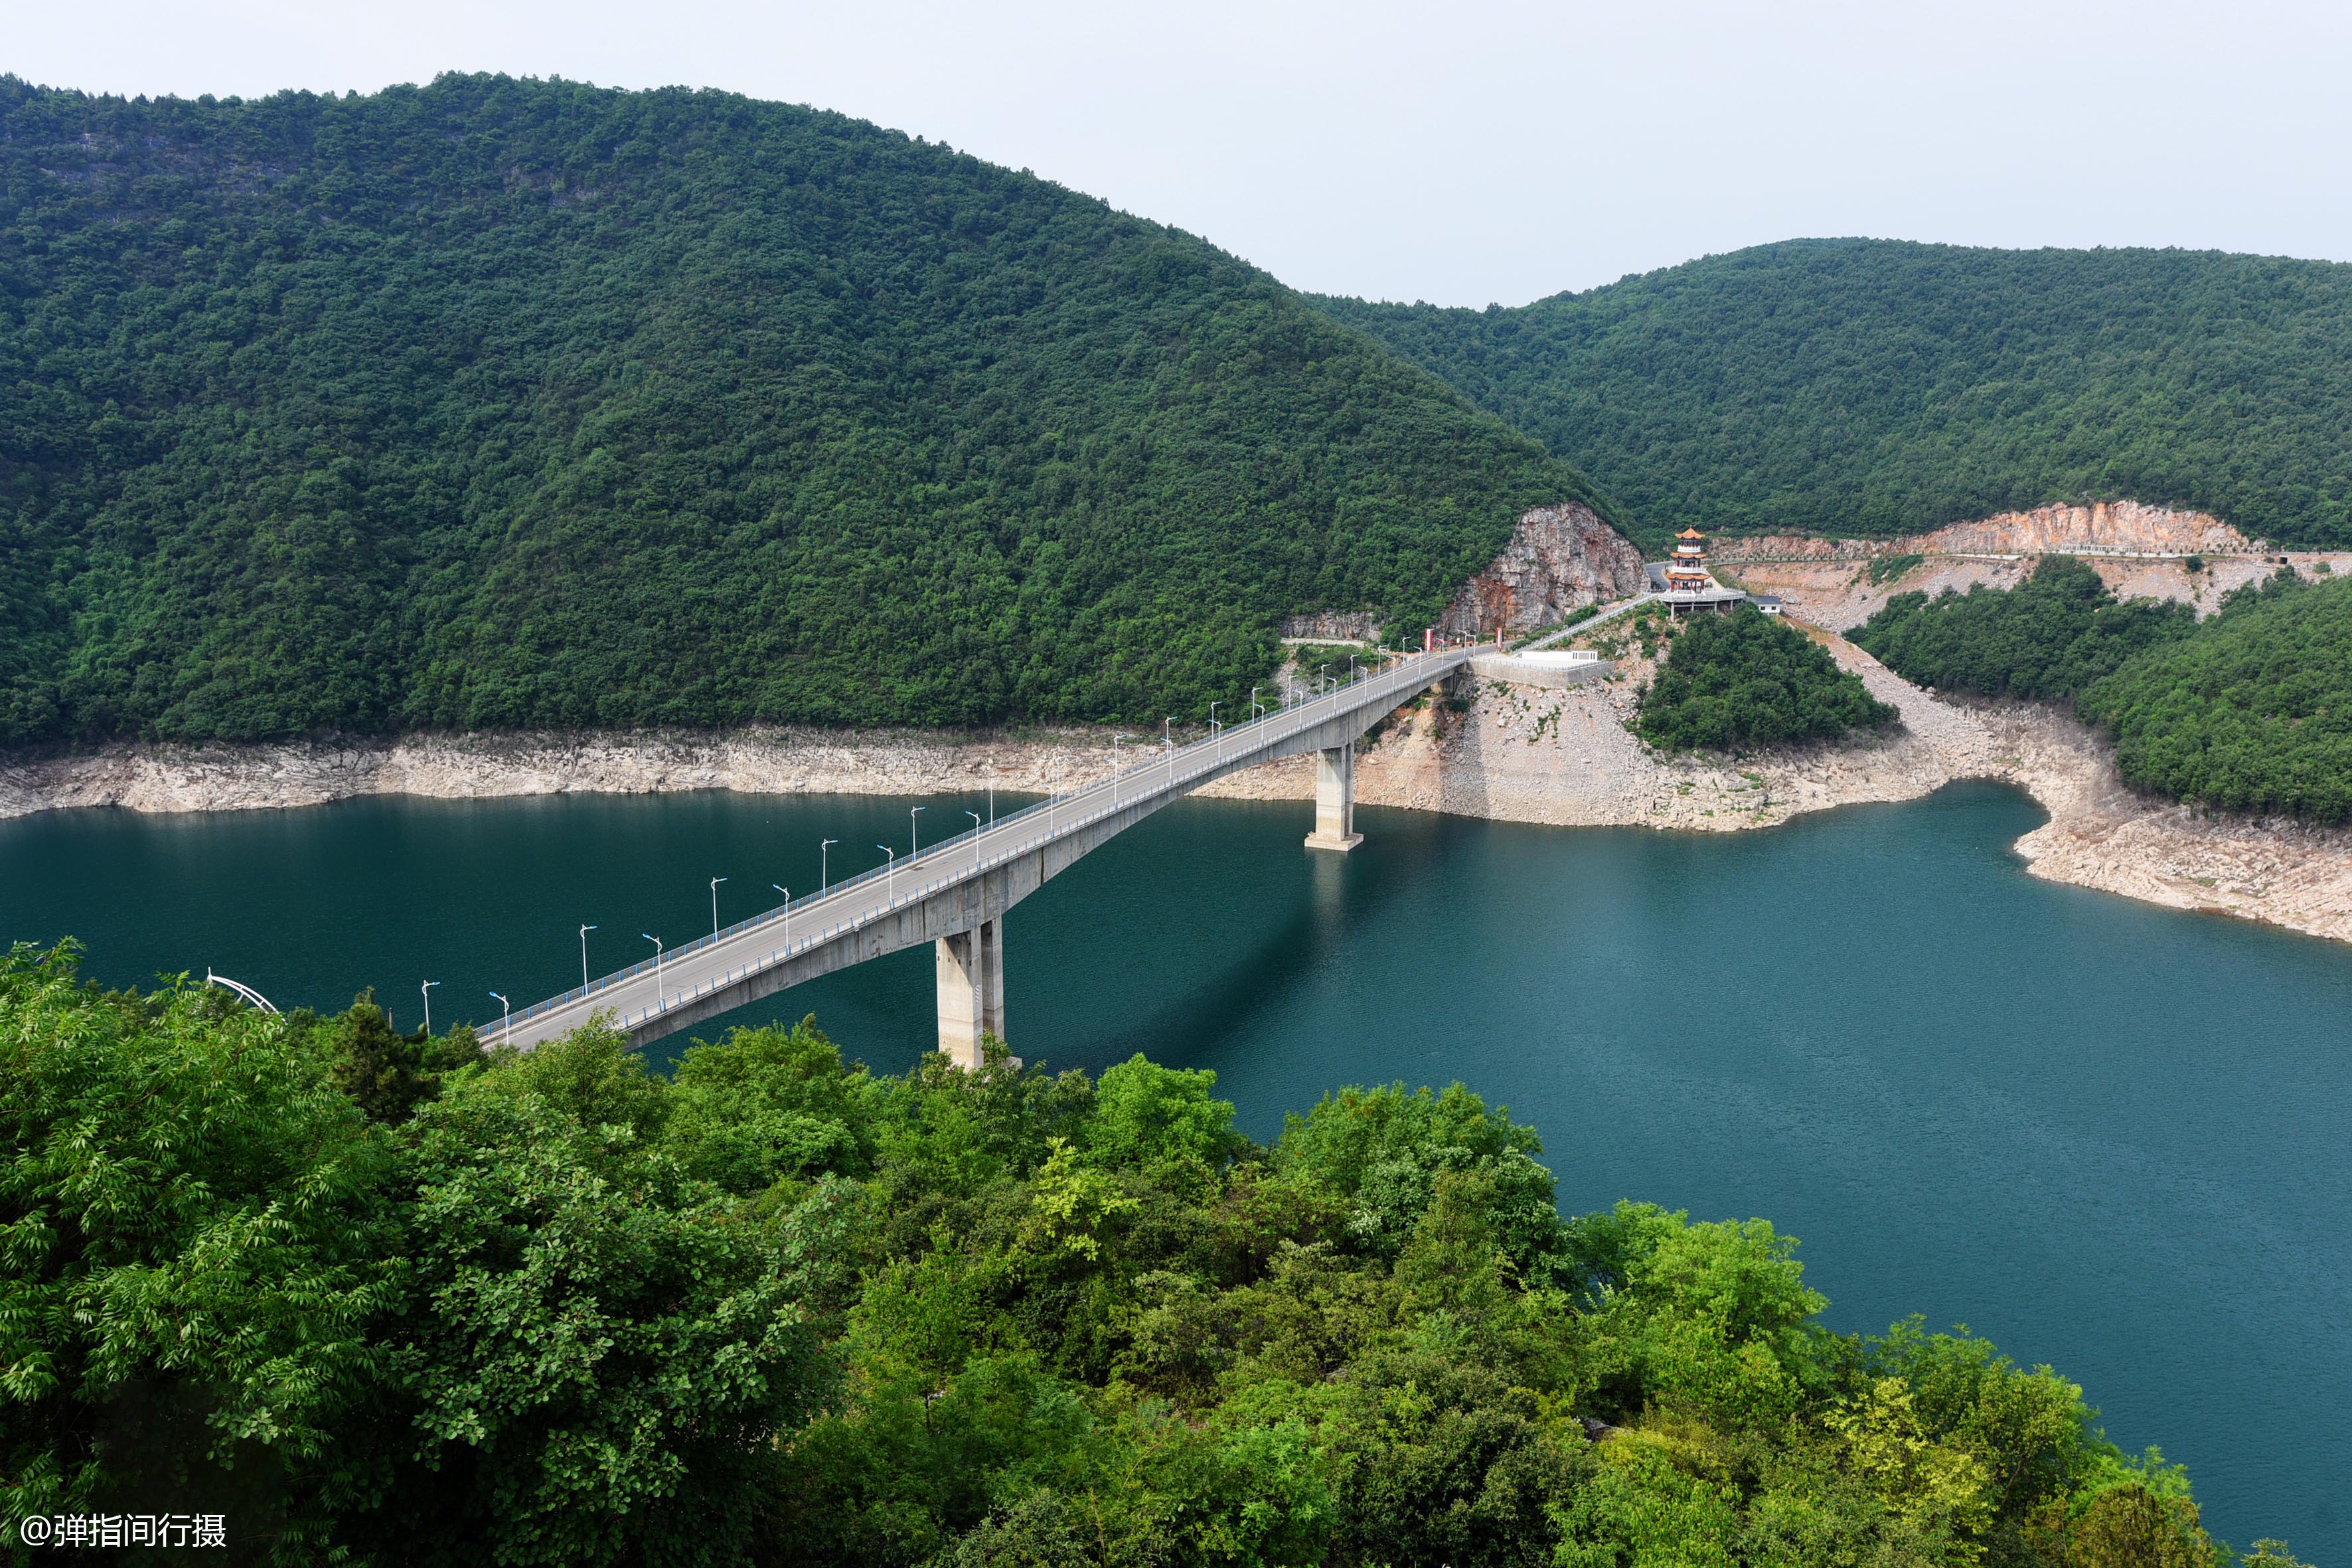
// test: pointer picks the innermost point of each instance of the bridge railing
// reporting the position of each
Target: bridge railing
(1206, 755)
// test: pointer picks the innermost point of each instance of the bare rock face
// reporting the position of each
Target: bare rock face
(2127, 526)
(1559, 557)
(1334, 625)
(2108, 525)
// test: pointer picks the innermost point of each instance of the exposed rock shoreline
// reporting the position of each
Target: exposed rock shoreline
(1515, 753)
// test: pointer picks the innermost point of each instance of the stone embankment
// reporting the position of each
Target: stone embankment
(1512, 753)
(1522, 754)
(778, 761)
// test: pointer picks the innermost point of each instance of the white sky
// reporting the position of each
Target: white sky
(1487, 150)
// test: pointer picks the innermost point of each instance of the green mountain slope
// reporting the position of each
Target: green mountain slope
(507, 403)
(1866, 386)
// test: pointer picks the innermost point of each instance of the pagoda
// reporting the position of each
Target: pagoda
(1687, 570)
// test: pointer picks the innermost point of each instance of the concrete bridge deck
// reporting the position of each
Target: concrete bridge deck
(954, 894)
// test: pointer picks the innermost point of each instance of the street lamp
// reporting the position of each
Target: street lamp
(1257, 709)
(650, 937)
(914, 844)
(1167, 731)
(714, 904)
(427, 989)
(1351, 669)
(583, 958)
(823, 880)
(506, 1015)
(1216, 735)
(889, 868)
(1320, 671)
(788, 913)
(975, 823)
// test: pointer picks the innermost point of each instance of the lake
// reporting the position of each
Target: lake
(2111, 1138)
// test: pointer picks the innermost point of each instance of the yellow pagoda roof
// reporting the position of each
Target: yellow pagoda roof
(1690, 533)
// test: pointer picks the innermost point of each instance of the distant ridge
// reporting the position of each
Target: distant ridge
(500, 404)
(1879, 387)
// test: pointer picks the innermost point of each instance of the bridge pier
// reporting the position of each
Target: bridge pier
(1335, 799)
(970, 969)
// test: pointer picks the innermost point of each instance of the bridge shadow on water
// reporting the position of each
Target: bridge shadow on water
(1168, 941)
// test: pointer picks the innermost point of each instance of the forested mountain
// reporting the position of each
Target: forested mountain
(500, 404)
(1874, 387)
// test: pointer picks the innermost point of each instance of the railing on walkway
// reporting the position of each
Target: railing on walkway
(1057, 814)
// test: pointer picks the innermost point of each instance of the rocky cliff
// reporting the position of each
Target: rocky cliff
(2122, 525)
(1559, 558)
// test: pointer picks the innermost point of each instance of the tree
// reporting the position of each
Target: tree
(198, 1256)
(1748, 679)
(600, 1349)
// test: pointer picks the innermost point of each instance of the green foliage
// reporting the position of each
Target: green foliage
(1383, 1152)
(600, 1345)
(1750, 680)
(782, 1310)
(2251, 713)
(1887, 568)
(1878, 387)
(1150, 1116)
(387, 1075)
(2049, 636)
(501, 403)
(197, 1246)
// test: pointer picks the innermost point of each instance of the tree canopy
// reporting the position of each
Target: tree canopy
(2049, 637)
(496, 404)
(2250, 710)
(2251, 713)
(553, 1308)
(1748, 679)
(1853, 386)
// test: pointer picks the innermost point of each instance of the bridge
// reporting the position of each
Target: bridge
(955, 893)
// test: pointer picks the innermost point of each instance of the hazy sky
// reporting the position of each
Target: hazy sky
(1461, 154)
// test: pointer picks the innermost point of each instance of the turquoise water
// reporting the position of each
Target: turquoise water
(2110, 1137)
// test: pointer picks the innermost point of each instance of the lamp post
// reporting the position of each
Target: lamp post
(714, 904)
(975, 823)
(427, 989)
(914, 844)
(1216, 736)
(650, 937)
(889, 869)
(506, 1015)
(583, 958)
(788, 913)
(1257, 709)
(823, 880)
(1320, 671)
(1351, 669)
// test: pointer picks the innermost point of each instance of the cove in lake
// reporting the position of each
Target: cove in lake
(2110, 1137)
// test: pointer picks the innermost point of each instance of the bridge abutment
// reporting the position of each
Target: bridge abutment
(1335, 799)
